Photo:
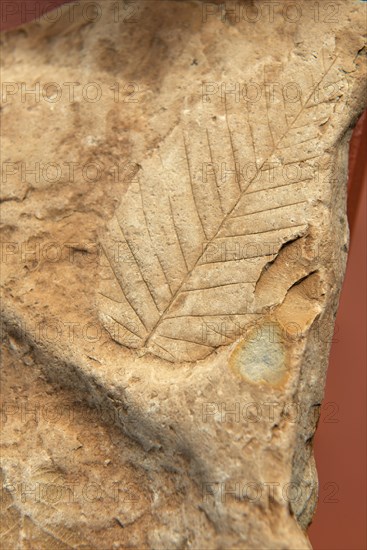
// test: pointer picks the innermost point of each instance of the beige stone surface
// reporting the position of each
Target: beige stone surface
(174, 240)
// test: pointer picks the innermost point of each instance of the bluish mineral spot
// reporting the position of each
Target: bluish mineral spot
(261, 357)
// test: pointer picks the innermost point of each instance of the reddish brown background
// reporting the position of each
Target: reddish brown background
(340, 442)
(340, 447)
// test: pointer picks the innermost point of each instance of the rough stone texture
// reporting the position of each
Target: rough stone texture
(168, 319)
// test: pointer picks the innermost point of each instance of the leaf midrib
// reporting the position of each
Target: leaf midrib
(226, 217)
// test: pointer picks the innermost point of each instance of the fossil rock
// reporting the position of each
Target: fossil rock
(174, 243)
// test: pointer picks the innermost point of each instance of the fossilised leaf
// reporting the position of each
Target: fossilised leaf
(205, 213)
(18, 527)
